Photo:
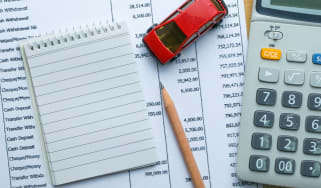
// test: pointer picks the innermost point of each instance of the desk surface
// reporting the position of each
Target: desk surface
(248, 12)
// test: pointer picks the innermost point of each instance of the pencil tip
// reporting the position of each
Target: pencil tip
(161, 85)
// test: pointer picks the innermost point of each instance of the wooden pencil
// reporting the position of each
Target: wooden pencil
(182, 140)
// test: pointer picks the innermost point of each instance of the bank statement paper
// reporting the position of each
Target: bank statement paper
(205, 83)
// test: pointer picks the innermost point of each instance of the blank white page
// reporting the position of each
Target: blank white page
(89, 103)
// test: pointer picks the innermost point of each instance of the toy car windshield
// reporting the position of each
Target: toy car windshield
(217, 5)
(171, 36)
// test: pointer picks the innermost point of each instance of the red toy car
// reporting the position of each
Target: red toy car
(167, 39)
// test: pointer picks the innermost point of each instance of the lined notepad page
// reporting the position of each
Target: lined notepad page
(89, 103)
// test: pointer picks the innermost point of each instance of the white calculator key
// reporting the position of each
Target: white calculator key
(296, 56)
(315, 79)
(268, 75)
(294, 77)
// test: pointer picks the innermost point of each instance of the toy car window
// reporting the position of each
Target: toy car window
(171, 17)
(185, 6)
(218, 17)
(205, 27)
(171, 36)
(217, 5)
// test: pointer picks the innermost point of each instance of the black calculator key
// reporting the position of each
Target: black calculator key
(287, 143)
(292, 99)
(310, 168)
(259, 163)
(264, 119)
(314, 102)
(284, 166)
(313, 124)
(266, 97)
(290, 121)
(312, 146)
(261, 141)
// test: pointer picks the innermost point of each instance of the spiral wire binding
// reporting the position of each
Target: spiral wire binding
(52, 39)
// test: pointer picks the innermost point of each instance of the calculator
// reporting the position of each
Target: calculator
(280, 130)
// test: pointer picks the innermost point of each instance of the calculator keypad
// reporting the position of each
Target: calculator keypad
(287, 143)
(316, 59)
(261, 141)
(315, 80)
(259, 163)
(271, 54)
(266, 97)
(296, 56)
(289, 121)
(314, 102)
(312, 146)
(268, 75)
(310, 168)
(285, 166)
(313, 124)
(292, 99)
(264, 119)
(294, 77)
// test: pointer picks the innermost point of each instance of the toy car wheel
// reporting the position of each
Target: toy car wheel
(151, 28)
(174, 58)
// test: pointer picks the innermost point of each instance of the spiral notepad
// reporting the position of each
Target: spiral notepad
(88, 102)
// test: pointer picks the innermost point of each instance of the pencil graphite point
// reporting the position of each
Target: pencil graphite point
(161, 85)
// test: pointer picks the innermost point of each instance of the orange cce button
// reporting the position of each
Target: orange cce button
(270, 53)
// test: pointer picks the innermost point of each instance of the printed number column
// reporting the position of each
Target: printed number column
(222, 99)
(232, 74)
(141, 18)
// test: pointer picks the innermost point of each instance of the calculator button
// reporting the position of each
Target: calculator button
(312, 146)
(310, 168)
(315, 79)
(294, 77)
(266, 97)
(259, 163)
(316, 59)
(264, 119)
(271, 53)
(261, 141)
(296, 56)
(313, 124)
(287, 143)
(314, 102)
(268, 75)
(289, 121)
(284, 166)
(292, 99)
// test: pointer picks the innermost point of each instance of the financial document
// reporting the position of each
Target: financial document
(205, 83)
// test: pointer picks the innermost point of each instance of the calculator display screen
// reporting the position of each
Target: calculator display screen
(307, 4)
(304, 10)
